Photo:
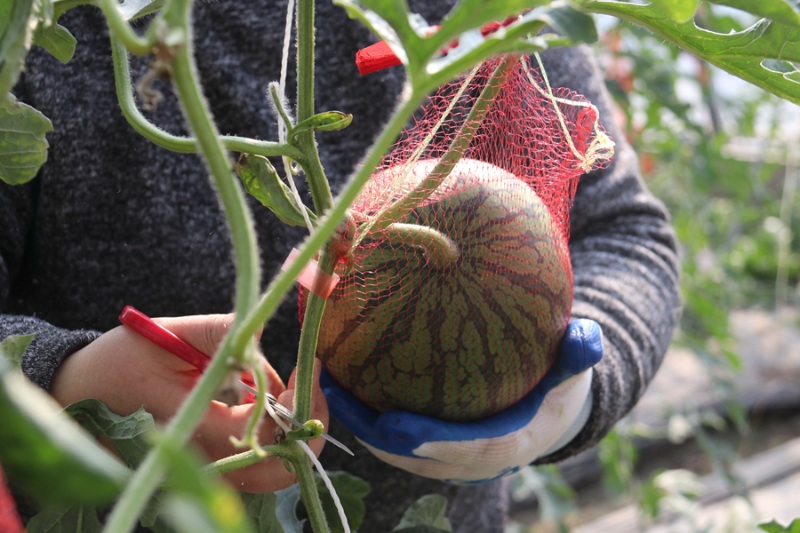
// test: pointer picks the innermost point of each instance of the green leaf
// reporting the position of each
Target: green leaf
(17, 22)
(427, 514)
(23, 147)
(57, 40)
(286, 509)
(276, 512)
(326, 121)
(13, 348)
(44, 451)
(781, 11)
(677, 10)
(742, 53)
(130, 435)
(261, 180)
(58, 519)
(261, 508)
(775, 527)
(351, 490)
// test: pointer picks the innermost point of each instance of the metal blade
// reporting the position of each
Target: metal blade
(287, 415)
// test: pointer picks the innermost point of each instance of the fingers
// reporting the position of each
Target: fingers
(220, 423)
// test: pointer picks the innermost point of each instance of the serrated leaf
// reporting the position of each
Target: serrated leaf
(326, 121)
(23, 146)
(44, 451)
(741, 53)
(65, 519)
(428, 512)
(351, 491)
(17, 22)
(261, 180)
(130, 435)
(781, 11)
(13, 348)
(57, 40)
(775, 527)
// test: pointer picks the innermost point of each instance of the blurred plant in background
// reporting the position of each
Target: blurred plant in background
(724, 157)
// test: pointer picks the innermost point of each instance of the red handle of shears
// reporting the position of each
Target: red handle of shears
(162, 337)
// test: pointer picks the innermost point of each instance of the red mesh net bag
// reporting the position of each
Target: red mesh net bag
(455, 279)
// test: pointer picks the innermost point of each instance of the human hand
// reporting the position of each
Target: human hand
(473, 452)
(126, 372)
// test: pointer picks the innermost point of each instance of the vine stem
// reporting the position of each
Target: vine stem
(175, 143)
(317, 182)
(150, 473)
(282, 283)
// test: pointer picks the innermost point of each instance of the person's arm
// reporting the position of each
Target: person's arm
(625, 263)
(124, 370)
(50, 344)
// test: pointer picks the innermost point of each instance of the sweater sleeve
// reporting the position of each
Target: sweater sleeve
(50, 344)
(625, 263)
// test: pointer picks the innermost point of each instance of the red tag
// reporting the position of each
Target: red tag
(379, 56)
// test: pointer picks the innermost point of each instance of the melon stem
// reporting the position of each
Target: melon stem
(440, 250)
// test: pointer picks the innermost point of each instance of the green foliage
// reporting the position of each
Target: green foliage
(57, 40)
(426, 515)
(261, 180)
(723, 209)
(618, 455)
(742, 53)
(46, 453)
(23, 147)
(13, 348)
(17, 22)
(66, 518)
(351, 491)
(775, 527)
(556, 499)
(419, 48)
(325, 121)
(130, 435)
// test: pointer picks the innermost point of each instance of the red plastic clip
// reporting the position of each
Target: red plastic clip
(379, 56)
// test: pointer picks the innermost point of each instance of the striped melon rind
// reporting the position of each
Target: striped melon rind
(462, 341)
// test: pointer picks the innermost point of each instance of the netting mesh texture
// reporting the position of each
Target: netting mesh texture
(456, 284)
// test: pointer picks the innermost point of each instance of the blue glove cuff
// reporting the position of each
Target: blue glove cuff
(401, 432)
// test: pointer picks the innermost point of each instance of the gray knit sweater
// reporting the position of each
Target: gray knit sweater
(114, 220)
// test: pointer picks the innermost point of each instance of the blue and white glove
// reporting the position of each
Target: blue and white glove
(545, 420)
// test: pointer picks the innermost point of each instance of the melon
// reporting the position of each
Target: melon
(459, 339)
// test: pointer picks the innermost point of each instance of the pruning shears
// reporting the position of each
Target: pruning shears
(169, 341)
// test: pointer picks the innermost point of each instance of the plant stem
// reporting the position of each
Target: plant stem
(308, 491)
(439, 249)
(175, 143)
(317, 182)
(281, 284)
(248, 458)
(309, 334)
(122, 29)
(147, 477)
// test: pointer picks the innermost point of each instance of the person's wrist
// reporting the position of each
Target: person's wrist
(69, 379)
